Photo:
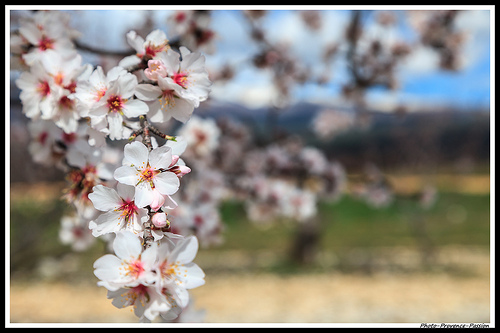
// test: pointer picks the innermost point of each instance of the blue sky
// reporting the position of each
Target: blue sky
(422, 84)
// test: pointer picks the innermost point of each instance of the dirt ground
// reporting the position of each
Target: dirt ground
(269, 298)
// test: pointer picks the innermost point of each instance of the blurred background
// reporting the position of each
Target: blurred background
(378, 122)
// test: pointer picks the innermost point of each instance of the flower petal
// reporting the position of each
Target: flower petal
(106, 223)
(195, 276)
(127, 245)
(160, 158)
(167, 182)
(143, 194)
(105, 198)
(127, 175)
(134, 108)
(185, 251)
(148, 92)
(115, 125)
(125, 191)
(136, 154)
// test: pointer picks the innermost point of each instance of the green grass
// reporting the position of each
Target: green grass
(455, 219)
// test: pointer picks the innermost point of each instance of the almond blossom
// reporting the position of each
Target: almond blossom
(164, 102)
(155, 280)
(201, 135)
(90, 90)
(147, 171)
(117, 103)
(36, 93)
(146, 302)
(121, 213)
(155, 42)
(75, 232)
(130, 267)
(188, 76)
(176, 272)
(43, 32)
(75, 108)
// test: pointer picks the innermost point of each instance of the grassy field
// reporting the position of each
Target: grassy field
(460, 219)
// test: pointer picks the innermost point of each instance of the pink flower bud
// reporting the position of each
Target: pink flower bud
(180, 170)
(155, 69)
(175, 159)
(159, 220)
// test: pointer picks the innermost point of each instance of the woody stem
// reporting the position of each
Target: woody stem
(146, 130)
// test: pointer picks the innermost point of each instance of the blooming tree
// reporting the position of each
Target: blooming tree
(123, 196)
(135, 197)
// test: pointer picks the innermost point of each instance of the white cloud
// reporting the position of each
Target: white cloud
(476, 25)
(421, 61)
(250, 87)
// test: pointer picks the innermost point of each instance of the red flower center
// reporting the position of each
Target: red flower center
(115, 103)
(45, 43)
(43, 88)
(181, 79)
(128, 209)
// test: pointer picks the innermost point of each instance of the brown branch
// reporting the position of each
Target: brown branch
(99, 51)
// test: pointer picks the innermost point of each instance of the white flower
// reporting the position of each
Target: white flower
(87, 170)
(130, 267)
(165, 102)
(155, 42)
(90, 90)
(43, 33)
(147, 171)
(107, 114)
(175, 270)
(201, 135)
(44, 136)
(36, 93)
(121, 211)
(199, 219)
(155, 280)
(75, 232)
(188, 77)
(63, 73)
(314, 159)
(330, 123)
(147, 302)
(299, 205)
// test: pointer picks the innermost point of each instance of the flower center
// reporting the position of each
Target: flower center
(66, 103)
(134, 269)
(181, 79)
(147, 175)
(128, 209)
(168, 271)
(200, 136)
(167, 100)
(43, 137)
(99, 94)
(45, 43)
(43, 88)
(69, 138)
(115, 103)
(134, 294)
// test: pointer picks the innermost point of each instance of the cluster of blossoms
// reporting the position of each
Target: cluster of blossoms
(280, 180)
(121, 196)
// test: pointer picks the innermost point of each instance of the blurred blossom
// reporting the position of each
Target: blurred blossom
(202, 136)
(328, 123)
(74, 231)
